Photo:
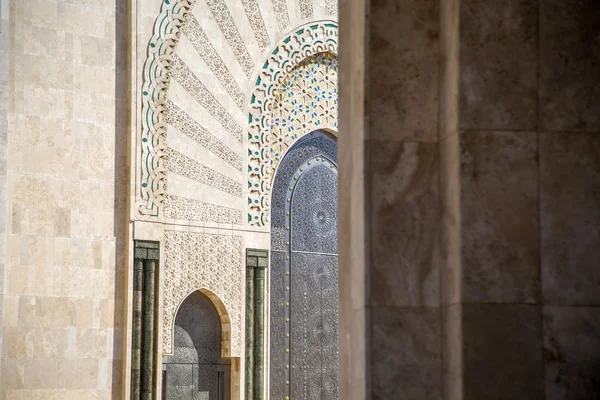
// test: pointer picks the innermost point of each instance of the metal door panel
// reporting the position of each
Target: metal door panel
(304, 365)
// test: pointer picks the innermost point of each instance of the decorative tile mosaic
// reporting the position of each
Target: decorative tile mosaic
(296, 93)
(306, 8)
(306, 101)
(184, 123)
(257, 23)
(198, 38)
(189, 168)
(189, 209)
(221, 14)
(190, 82)
(196, 261)
(281, 11)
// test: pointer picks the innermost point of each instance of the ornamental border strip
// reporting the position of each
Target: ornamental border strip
(156, 78)
(315, 38)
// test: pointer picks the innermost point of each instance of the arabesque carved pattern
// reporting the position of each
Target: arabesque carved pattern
(154, 94)
(331, 8)
(177, 207)
(295, 93)
(195, 261)
(257, 23)
(190, 82)
(306, 8)
(188, 167)
(194, 32)
(281, 12)
(187, 125)
(221, 14)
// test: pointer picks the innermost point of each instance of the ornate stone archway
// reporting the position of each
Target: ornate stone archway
(281, 89)
(264, 145)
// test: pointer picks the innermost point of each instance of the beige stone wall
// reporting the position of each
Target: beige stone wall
(62, 298)
(4, 50)
(66, 298)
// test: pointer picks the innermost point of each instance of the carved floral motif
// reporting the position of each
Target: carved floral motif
(195, 261)
(295, 93)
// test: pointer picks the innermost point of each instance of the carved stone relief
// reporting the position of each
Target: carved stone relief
(195, 261)
(295, 93)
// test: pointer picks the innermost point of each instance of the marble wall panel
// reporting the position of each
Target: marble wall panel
(500, 212)
(404, 197)
(502, 352)
(571, 348)
(403, 69)
(4, 104)
(498, 67)
(569, 73)
(405, 353)
(570, 218)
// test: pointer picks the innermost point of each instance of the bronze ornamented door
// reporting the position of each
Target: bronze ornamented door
(196, 370)
(304, 347)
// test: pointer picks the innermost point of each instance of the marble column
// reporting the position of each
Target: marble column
(249, 381)
(136, 329)
(147, 381)
(259, 329)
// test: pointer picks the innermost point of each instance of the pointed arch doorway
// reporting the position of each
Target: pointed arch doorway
(303, 282)
(198, 369)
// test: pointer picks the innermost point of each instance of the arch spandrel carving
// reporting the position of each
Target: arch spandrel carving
(273, 124)
(302, 43)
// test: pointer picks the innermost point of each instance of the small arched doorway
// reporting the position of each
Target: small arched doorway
(304, 313)
(196, 369)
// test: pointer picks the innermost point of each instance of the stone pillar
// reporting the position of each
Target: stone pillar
(450, 218)
(353, 312)
(148, 331)
(249, 372)
(389, 180)
(470, 192)
(256, 263)
(259, 329)
(136, 329)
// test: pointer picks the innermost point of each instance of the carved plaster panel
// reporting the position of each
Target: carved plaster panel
(257, 23)
(156, 77)
(195, 261)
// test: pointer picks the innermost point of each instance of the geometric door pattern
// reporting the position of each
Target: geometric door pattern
(304, 313)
